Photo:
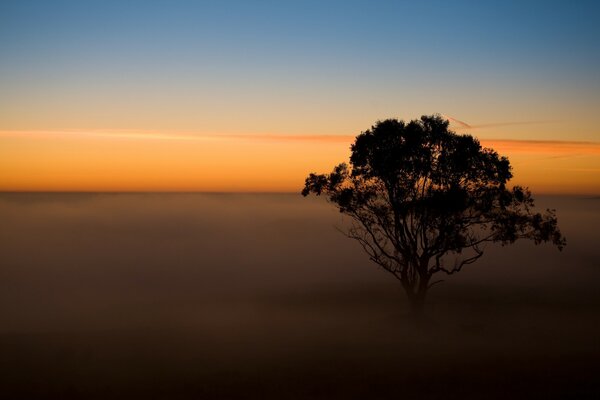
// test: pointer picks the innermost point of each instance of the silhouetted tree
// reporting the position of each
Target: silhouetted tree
(424, 200)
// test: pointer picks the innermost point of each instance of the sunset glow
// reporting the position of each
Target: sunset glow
(151, 161)
(175, 222)
(199, 96)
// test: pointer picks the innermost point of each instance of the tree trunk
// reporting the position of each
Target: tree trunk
(416, 303)
(416, 299)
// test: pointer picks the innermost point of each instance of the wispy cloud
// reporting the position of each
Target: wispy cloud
(503, 146)
(294, 138)
(463, 125)
(455, 121)
(146, 135)
(547, 147)
(550, 148)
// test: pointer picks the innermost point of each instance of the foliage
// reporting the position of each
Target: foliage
(424, 200)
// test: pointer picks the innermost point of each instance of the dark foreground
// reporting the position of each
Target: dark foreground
(226, 296)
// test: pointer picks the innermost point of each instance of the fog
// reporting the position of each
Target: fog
(260, 296)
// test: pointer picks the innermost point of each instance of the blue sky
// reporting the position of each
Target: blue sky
(104, 95)
(289, 61)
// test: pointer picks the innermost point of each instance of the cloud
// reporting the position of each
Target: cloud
(146, 135)
(508, 146)
(294, 138)
(463, 125)
(551, 148)
(547, 147)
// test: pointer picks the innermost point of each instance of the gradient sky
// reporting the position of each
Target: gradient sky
(253, 95)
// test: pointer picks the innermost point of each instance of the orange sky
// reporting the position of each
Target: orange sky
(252, 96)
(151, 161)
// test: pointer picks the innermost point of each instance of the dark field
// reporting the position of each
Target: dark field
(170, 296)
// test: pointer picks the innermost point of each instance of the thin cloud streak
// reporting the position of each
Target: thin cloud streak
(549, 147)
(139, 135)
(463, 125)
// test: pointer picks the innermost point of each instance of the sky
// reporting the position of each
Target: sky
(254, 95)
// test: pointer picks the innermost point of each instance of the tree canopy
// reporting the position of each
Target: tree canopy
(423, 200)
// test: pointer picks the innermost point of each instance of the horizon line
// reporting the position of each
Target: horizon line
(226, 192)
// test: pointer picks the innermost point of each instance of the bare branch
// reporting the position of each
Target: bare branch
(433, 283)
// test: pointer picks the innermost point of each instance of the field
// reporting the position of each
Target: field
(173, 296)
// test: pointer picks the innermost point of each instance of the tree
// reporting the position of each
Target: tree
(424, 200)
